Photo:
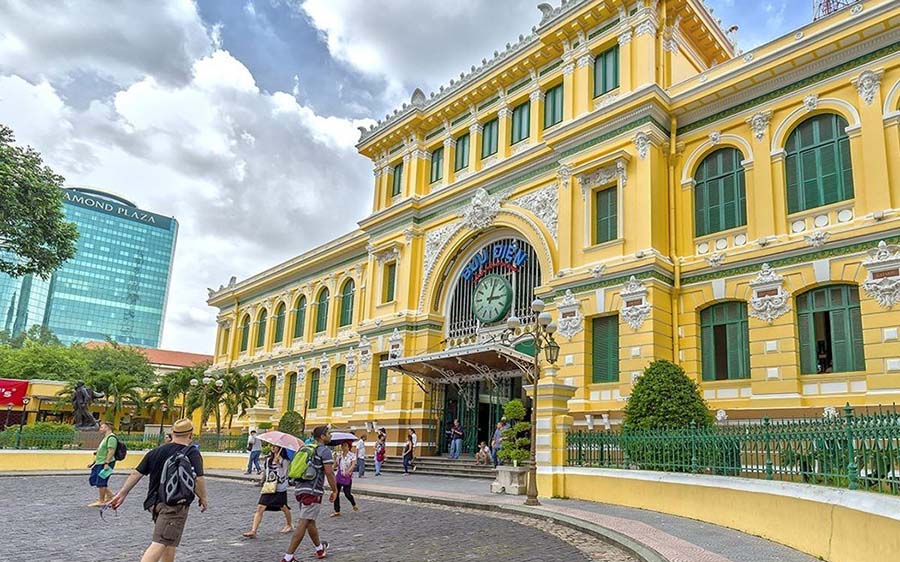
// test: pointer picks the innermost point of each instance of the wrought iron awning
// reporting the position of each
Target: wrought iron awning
(486, 361)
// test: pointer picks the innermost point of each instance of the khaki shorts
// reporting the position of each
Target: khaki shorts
(309, 511)
(170, 522)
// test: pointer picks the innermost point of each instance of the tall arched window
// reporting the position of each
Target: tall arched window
(313, 397)
(279, 323)
(725, 341)
(322, 311)
(292, 392)
(829, 327)
(261, 328)
(347, 303)
(720, 200)
(300, 318)
(817, 163)
(245, 332)
(270, 387)
(338, 396)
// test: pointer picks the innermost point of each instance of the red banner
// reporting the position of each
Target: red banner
(12, 391)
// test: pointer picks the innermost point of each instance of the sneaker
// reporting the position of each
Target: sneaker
(355, 508)
(320, 554)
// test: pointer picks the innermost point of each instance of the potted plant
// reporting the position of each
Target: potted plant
(514, 449)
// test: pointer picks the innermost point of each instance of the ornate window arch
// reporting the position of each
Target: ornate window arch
(322, 310)
(347, 291)
(270, 391)
(312, 397)
(279, 322)
(720, 195)
(261, 328)
(818, 170)
(725, 341)
(337, 386)
(292, 392)
(245, 332)
(300, 317)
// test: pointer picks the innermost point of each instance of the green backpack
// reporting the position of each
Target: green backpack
(302, 467)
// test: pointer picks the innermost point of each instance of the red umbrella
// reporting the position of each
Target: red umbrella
(283, 440)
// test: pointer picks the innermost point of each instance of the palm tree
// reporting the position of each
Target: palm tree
(241, 394)
(180, 384)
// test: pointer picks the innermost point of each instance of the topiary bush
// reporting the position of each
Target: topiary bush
(664, 397)
(516, 446)
(291, 423)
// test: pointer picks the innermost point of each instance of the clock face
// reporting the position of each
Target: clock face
(492, 299)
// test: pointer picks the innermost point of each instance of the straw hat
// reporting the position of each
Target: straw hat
(183, 426)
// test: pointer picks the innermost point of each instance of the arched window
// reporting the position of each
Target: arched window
(279, 323)
(817, 163)
(720, 200)
(347, 303)
(829, 327)
(292, 392)
(300, 317)
(338, 396)
(245, 332)
(270, 387)
(725, 341)
(261, 329)
(322, 311)
(313, 397)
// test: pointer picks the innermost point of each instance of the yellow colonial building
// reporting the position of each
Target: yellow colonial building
(666, 195)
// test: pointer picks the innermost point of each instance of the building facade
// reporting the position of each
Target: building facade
(667, 196)
(116, 286)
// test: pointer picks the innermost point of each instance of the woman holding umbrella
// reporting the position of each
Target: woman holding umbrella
(275, 481)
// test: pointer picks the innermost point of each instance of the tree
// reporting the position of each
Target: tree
(292, 423)
(241, 394)
(38, 334)
(119, 390)
(179, 383)
(115, 358)
(665, 397)
(34, 236)
(36, 361)
(516, 445)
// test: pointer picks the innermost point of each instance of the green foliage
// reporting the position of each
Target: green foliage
(264, 426)
(514, 411)
(33, 232)
(37, 361)
(516, 446)
(665, 397)
(41, 435)
(121, 360)
(37, 334)
(291, 423)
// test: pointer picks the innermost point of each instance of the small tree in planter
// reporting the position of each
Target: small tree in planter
(291, 423)
(516, 445)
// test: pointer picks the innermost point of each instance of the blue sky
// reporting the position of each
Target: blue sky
(240, 117)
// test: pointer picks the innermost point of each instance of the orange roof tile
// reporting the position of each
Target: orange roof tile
(164, 356)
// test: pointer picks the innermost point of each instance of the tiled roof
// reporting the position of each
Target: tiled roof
(164, 357)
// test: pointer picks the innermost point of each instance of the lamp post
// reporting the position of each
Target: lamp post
(25, 401)
(8, 411)
(162, 421)
(541, 334)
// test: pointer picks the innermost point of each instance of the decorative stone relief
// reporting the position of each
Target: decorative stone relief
(811, 102)
(585, 60)
(883, 266)
(301, 370)
(571, 320)
(597, 271)
(635, 308)
(625, 36)
(563, 175)
(482, 210)
(544, 203)
(364, 349)
(351, 364)
(395, 350)
(867, 85)
(759, 123)
(642, 144)
(606, 100)
(536, 96)
(646, 27)
(435, 240)
(829, 412)
(817, 239)
(715, 137)
(324, 366)
(520, 146)
(716, 260)
(769, 300)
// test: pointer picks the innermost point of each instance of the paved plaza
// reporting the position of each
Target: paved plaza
(51, 522)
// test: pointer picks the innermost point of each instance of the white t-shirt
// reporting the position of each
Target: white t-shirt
(415, 439)
(360, 449)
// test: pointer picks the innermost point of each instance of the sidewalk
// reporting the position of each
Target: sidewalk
(668, 537)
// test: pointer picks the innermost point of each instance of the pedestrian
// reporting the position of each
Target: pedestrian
(343, 475)
(496, 442)
(380, 451)
(169, 520)
(408, 455)
(254, 446)
(168, 438)
(482, 454)
(309, 494)
(274, 491)
(456, 437)
(361, 455)
(103, 465)
(415, 441)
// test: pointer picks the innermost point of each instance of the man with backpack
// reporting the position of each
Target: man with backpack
(176, 477)
(313, 468)
(104, 463)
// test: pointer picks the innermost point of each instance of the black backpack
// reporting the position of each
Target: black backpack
(121, 449)
(176, 483)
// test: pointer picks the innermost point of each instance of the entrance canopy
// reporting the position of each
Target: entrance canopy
(486, 361)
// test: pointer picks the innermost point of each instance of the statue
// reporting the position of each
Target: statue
(81, 403)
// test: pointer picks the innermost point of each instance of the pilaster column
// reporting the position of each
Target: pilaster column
(874, 162)
(536, 116)
(504, 123)
(569, 89)
(552, 405)
(475, 142)
(449, 158)
(626, 33)
(760, 189)
(583, 86)
(408, 180)
(645, 29)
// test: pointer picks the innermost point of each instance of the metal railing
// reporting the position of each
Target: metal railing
(846, 451)
(70, 440)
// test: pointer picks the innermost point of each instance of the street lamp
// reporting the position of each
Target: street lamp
(25, 401)
(8, 411)
(540, 332)
(162, 420)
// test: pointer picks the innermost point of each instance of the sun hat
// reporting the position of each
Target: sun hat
(183, 426)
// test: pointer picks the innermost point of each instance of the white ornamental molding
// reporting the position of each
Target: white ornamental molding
(597, 271)
(602, 176)
(544, 203)
(395, 349)
(350, 362)
(829, 413)
(324, 366)
(721, 416)
(364, 350)
(571, 320)
(301, 370)
(716, 260)
(867, 84)
(883, 266)
(482, 210)
(811, 102)
(435, 240)
(449, 142)
(585, 60)
(390, 254)
(759, 123)
(536, 96)
(769, 299)
(817, 239)
(642, 144)
(646, 27)
(715, 137)
(635, 308)
(563, 175)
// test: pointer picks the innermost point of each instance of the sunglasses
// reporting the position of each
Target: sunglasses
(106, 506)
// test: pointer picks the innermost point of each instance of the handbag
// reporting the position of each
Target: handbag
(271, 483)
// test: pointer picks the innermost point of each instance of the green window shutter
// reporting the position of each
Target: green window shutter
(437, 165)
(792, 179)
(489, 138)
(720, 201)
(817, 163)
(313, 398)
(279, 324)
(856, 332)
(845, 167)
(390, 274)
(322, 312)
(245, 333)
(553, 106)
(732, 317)
(607, 215)
(806, 334)
(707, 347)
(605, 349)
(292, 392)
(338, 400)
(261, 329)
(300, 318)
(606, 71)
(397, 180)
(462, 153)
(347, 303)
(270, 399)
(382, 379)
(520, 122)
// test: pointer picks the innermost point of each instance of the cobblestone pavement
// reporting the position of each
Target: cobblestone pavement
(52, 523)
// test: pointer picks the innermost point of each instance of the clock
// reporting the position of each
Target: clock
(492, 299)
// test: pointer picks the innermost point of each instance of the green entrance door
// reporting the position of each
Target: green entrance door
(478, 405)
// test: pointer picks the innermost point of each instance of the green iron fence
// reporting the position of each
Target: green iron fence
(847, 451)
(70, 440)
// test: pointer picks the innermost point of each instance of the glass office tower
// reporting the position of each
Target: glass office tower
(116, 286)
